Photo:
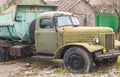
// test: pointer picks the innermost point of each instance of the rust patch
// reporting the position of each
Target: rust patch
(17, 51)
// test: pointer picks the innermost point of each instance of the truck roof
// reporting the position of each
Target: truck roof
(55, 13)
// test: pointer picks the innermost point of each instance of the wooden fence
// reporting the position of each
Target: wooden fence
(117, 36)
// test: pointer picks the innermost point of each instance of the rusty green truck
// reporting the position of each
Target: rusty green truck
(57, 33)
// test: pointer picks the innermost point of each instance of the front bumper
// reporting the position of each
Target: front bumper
(110, 54)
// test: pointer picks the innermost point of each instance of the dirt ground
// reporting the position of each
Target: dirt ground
(46, 66)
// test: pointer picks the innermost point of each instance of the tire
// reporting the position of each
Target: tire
(77, 60)
(32, 29)
(106, 62)
(2, 55)
(7, 54)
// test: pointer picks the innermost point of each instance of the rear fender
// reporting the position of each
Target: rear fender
(89, 47)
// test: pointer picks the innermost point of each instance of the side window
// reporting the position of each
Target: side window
(46, 23)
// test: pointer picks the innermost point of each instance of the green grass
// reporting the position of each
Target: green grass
(100, 71)
(118, 63)
(61, 71)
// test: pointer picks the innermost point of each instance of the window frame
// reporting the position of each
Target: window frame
(46, 27)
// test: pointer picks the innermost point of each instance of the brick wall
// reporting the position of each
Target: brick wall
(104, 5)
(2, 2)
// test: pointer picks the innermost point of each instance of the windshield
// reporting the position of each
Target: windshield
(67, 21)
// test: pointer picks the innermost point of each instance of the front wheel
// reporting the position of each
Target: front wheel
(77, 60)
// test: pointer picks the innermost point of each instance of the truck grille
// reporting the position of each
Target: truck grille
(109, 41)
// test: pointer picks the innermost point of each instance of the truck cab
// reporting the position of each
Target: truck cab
(48, 30)
(60, 33)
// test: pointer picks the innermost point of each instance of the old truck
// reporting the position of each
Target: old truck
(57, 33)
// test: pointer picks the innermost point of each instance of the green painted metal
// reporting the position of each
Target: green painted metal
(18, 29)
(107, 20)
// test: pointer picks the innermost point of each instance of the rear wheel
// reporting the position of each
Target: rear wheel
(7, 53)
(2, 55)
(106, 62)
(77, 60)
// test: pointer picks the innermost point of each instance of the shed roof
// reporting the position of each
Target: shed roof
(102, 2)
(28, 2)
(64, 5)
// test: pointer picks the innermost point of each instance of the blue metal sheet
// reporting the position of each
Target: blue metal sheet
(6, 19)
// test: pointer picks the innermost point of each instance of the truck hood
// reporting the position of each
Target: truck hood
(88, 29)
(84, 34)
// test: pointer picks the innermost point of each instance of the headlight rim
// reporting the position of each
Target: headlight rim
(97, 40)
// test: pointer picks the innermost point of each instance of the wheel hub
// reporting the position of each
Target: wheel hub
(76, 62)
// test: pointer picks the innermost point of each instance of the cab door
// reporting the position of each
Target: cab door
(45, 36)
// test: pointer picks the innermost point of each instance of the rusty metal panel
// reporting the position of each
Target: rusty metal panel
(35, 8)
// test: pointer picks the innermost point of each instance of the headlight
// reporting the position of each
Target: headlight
(97, 40)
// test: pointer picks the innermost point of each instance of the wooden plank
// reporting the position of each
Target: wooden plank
(117, 36)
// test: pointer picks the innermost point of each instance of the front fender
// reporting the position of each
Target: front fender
(90, 47)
